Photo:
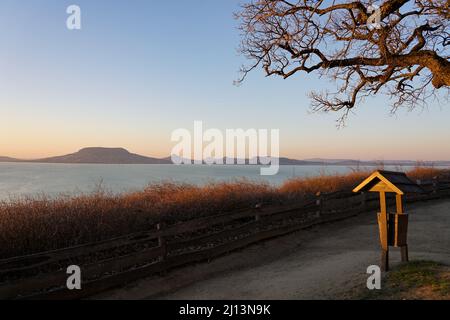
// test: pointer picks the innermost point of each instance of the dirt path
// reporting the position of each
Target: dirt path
(324, 262)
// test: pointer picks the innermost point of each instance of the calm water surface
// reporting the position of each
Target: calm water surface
(25, 179)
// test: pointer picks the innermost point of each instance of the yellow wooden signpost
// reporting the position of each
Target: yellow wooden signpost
(393, 227)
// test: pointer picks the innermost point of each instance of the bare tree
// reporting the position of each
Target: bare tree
(400, 47)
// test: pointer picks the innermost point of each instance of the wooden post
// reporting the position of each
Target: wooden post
(319, 203)
(383, 224)
(435, 186)
(383, 207)
(405, 254)
(385, 260)
(400, 210)
(258, 216)
(393, 227)
(162, 242)
(399, 203)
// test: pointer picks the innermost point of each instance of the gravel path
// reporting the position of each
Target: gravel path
(324, 262)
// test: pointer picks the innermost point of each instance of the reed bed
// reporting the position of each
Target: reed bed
(40, 224)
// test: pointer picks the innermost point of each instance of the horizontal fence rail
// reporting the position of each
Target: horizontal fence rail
(116, 262)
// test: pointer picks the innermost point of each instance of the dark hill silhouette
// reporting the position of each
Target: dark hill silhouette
(8, 159)
(104, 156)
(99, 155)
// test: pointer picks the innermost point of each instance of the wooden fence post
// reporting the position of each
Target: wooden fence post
(319, 203)
(258, 208)
(162, 241)
(436, 185)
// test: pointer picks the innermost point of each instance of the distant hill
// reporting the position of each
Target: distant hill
(99, 155)
(103, 156)
(8, 159)
(351, 162)
(323, 160)
(294, 162)
(282, 161)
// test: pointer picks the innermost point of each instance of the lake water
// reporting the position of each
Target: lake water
(26, 179)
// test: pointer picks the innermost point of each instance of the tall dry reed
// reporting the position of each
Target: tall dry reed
(40, 224)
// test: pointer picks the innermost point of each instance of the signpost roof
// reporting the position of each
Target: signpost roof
(389, 181)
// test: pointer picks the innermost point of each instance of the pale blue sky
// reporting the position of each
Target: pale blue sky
(140, 69)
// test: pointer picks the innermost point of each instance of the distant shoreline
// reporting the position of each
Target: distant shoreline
(361, 164)
(99, 155)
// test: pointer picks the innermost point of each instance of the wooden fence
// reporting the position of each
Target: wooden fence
(116, 262)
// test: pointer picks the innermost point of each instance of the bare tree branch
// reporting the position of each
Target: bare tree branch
(405, 55)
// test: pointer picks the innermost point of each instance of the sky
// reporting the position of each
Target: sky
(140, 69)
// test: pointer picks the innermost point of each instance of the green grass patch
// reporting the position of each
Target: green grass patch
(417, 280)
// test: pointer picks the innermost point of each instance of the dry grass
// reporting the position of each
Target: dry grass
(322, 184)
(34, 225)
(424, 173)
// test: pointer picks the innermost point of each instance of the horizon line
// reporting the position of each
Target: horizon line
(312, 159)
